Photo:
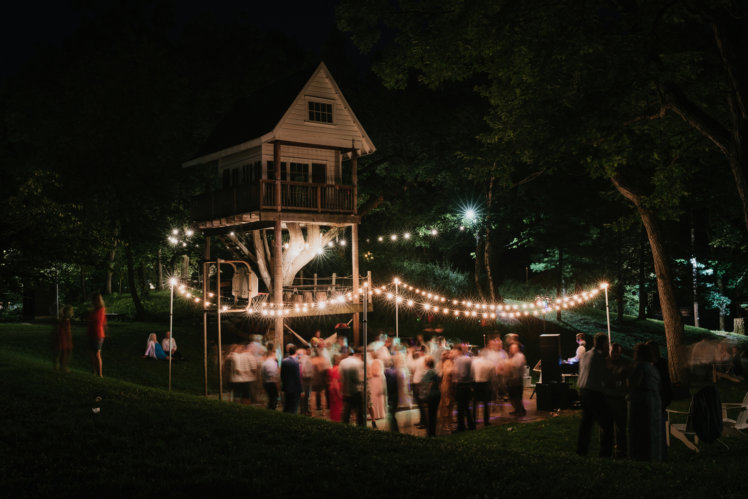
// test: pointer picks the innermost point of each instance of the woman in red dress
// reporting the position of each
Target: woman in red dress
(96, 328)
(336, 392)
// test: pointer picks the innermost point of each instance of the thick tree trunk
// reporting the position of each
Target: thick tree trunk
(488, 247)
(620, 288)
(670, 311)
(476, 271)
(721, 288)
(139, 310)
(642, 315)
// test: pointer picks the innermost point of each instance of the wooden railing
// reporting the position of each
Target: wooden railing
(295, 196)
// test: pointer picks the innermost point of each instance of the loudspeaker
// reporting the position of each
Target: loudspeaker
(552, 396)
(550, 356)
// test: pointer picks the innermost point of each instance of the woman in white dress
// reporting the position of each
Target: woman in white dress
(377, 389)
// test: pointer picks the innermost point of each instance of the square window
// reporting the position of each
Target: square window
(320, 112)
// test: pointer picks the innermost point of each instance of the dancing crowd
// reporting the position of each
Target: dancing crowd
(434, 377)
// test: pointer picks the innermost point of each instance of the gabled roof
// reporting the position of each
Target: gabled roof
(255, 119)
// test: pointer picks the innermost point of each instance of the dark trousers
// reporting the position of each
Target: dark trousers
(271, 389)
(306, 384)
(353, 403)
(463, 394)
(595, 410)
(419, 403)
(482, 394)
(516, 390)
(291, 402)
(619, 413)
(433, 408)
(391, 411)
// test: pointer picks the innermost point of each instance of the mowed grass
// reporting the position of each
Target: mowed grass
(146, 442)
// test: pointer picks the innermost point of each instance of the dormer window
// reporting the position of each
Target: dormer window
(320, 112)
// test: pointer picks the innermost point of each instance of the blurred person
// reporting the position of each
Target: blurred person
(335, 390)
(417, 367)
(430, 392)
(447, 398)
(615, 395)
(390, 377)
(319, 379)
(377, 389)
(571, 365)
(63, 339)
(153, 349)
(403, 379)
(307, 372)
(482, 371)
(497, 356)
(665, 389)
(351, 376)
(463, 380)
(593, 371)
(701, 361)
(242, 373)
(645, 407)
(271, 377)
(97, 327)
(515, 371)
(290, 376)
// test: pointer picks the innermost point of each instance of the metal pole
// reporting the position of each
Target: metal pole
(366, 344)
(171, 327)
(218, 310)
(397, 321)
(206, 288)
(607, 310)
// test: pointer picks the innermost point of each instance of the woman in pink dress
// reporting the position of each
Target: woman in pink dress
(336, 392)
(377, 389)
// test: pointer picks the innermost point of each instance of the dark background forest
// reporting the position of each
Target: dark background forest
(594, 140)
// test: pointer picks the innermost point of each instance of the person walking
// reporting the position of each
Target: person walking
(593, 371)
(290, 376)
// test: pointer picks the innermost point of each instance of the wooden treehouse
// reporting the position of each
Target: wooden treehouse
(282, 184)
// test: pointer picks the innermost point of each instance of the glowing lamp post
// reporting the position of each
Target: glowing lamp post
(607, 308)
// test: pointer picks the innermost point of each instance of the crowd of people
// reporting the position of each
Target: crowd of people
(326, 378)
(626, 399)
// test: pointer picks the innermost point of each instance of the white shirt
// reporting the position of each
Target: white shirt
(243, 367)
(482, 369)
(165, 345)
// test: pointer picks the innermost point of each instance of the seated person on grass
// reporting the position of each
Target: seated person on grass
(169, 343)
(153, 349)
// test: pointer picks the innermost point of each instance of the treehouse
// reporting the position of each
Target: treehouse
(282, 180)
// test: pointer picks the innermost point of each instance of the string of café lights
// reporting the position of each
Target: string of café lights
(425, 300)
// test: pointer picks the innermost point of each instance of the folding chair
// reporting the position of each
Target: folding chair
(741, 420)
(681, 430)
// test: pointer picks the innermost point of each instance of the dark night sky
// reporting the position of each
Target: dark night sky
(28, 26)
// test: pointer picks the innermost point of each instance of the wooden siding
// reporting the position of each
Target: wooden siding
(308, 155)
(295, 126)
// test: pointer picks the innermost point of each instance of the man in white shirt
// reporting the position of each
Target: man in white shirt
(243, 371)
(169, 345)
(417, 366)
(351, 377)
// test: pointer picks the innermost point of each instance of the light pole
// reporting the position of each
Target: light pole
(607, 308)
(172, 283)
(397, 302)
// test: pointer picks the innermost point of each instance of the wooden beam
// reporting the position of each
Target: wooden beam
(310, 218)
(241, 227)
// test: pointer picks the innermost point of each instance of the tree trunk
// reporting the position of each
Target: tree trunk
(694, 277)
(666, 290)
(487, 247)
(110, 271)
(159, 271)
(620, 288)
(139, 310)
(560, 284)
(476, 272)
(84, 295)
(642, 315)
(721, 288)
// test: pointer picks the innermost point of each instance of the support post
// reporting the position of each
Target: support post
(206, 291)
(365, 394)
(354, 176)
(277, 164)
(218, 315)
(354, 269)
(607, 310)
(171, 324)
(278, 283)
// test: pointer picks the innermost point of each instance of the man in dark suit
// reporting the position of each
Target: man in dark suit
(290, 380)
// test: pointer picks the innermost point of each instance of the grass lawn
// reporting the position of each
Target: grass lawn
(147, 442)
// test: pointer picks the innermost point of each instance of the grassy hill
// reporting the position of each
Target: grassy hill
(146, 442)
